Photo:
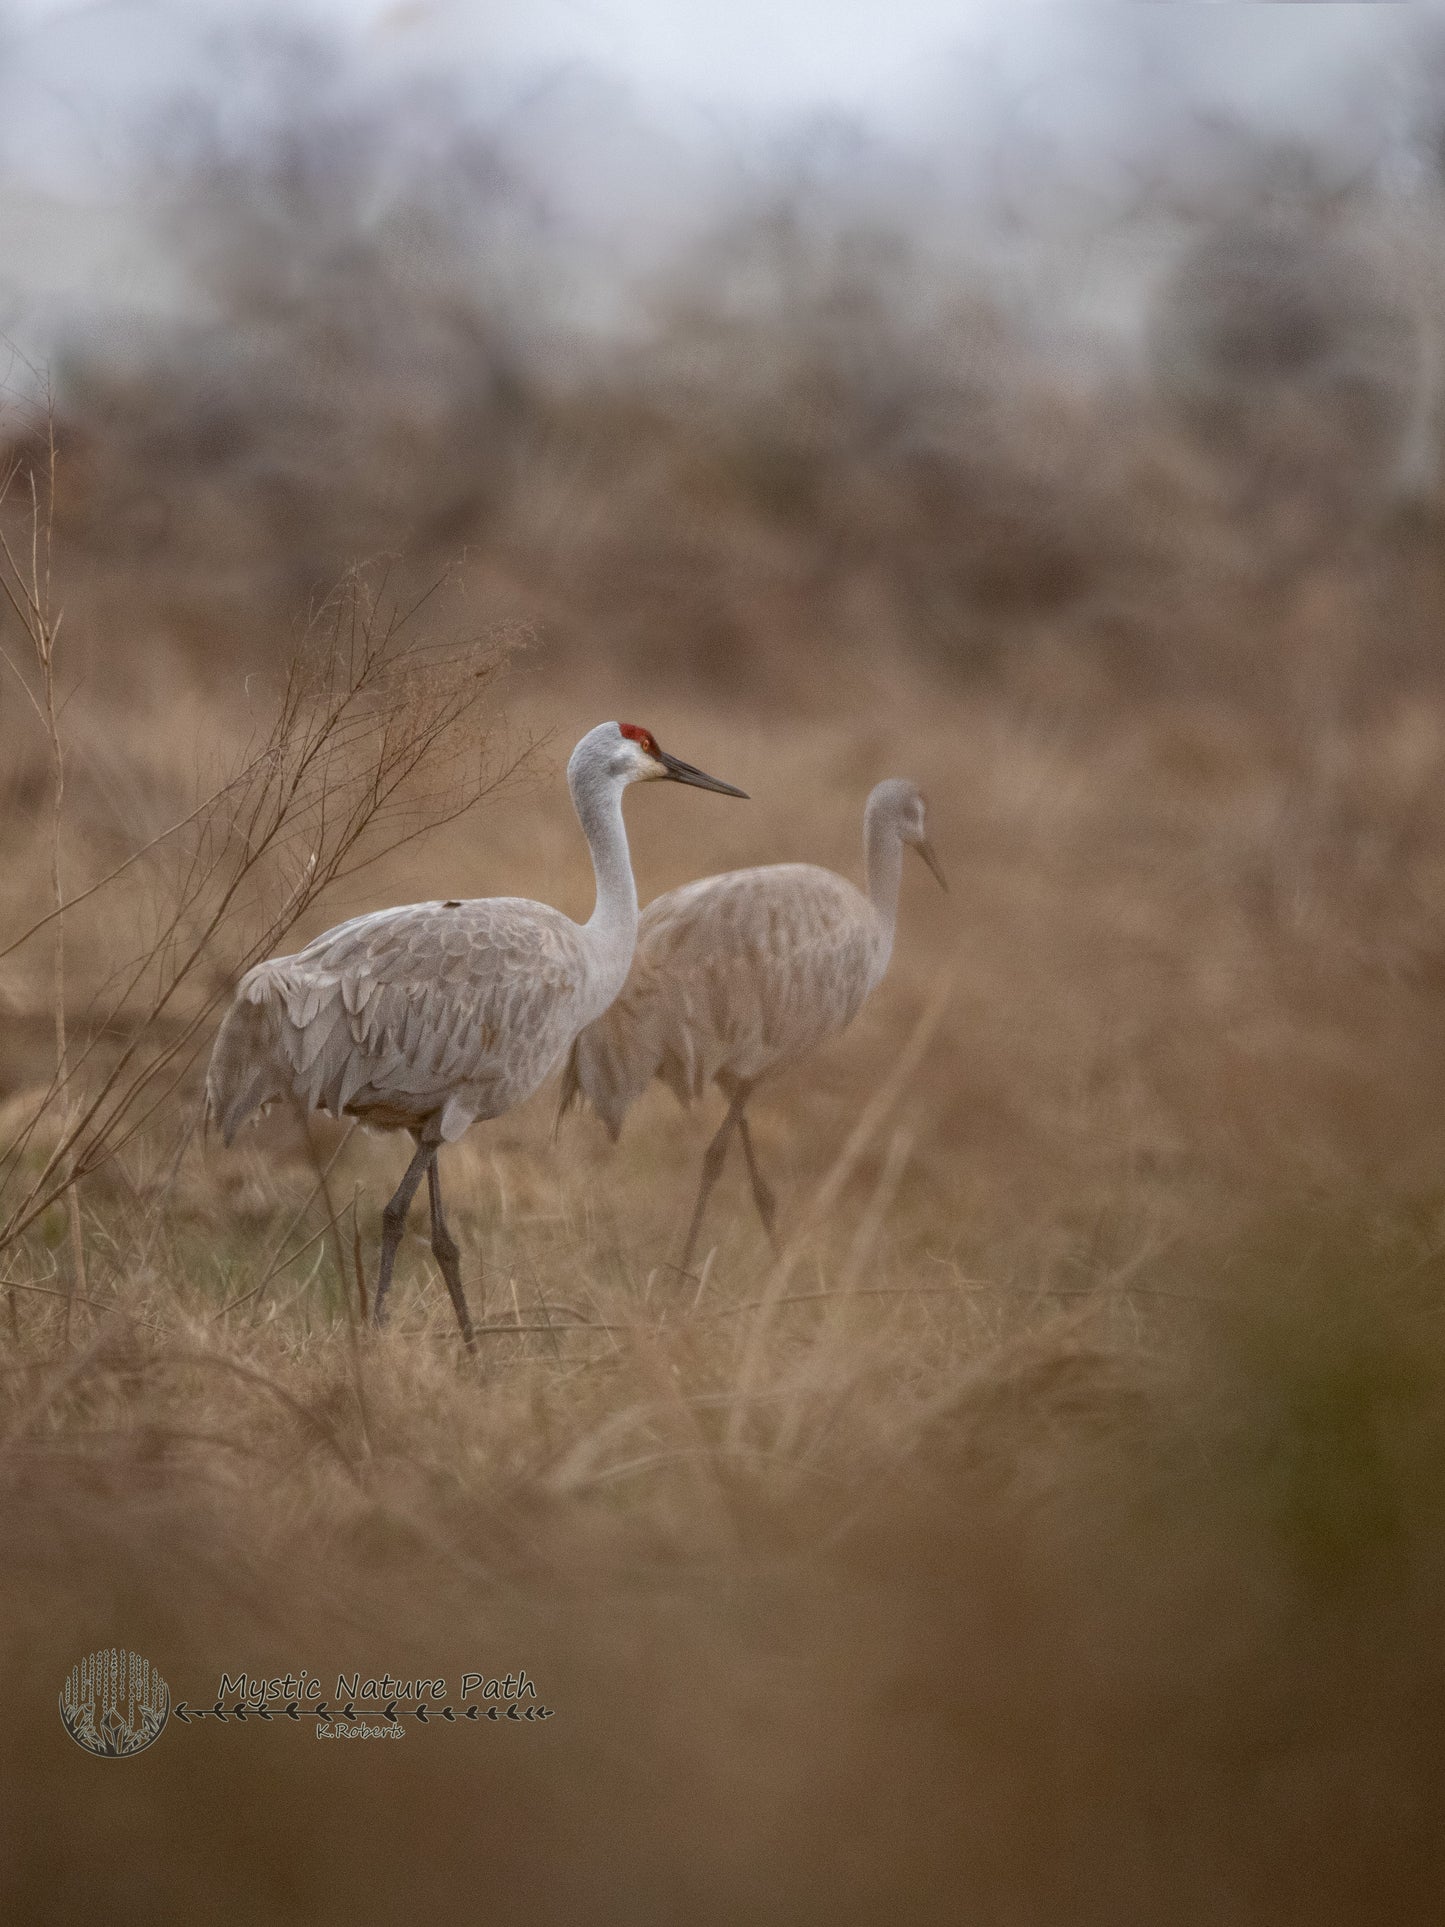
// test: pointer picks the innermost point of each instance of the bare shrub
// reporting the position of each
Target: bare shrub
(1288, 352)
(374, 734)
(346, 376)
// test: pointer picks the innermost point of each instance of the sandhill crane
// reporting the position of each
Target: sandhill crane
(430, 1016)
(738, 976)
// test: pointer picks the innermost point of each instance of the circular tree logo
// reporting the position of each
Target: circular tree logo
(114, 1704)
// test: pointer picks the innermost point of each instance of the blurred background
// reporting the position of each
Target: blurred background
(1064, 349)
(1046, 403)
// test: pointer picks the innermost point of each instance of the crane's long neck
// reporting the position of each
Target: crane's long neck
(883, 849)
(612, 927)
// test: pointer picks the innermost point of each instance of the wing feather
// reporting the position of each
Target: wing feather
(405, 1012)
(735, 974)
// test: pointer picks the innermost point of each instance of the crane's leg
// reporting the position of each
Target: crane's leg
(444, 1249)
(762, 1194)
(393, 1223)
(712, 1164)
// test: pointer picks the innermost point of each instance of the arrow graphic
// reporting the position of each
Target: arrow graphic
(425, 1713)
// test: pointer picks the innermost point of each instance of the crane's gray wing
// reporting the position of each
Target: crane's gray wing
(738, 973)
(457, 1009)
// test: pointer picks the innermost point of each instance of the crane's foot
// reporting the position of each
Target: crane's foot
(448, 1257)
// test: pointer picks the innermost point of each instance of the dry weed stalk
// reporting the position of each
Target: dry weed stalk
(376, 735)
(25, 583)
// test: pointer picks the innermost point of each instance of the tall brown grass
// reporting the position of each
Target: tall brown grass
(1056, 1537)
(1055, 1534)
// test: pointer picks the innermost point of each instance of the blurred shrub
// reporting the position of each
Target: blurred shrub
(1294, 356)
(346, 377)
(823, 437)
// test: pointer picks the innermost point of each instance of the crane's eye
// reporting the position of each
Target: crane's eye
(642, 737)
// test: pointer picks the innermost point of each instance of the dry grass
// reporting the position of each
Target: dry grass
(1055, 1536)
(1042, 1624)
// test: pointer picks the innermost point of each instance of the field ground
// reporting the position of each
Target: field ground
(1054, 1536)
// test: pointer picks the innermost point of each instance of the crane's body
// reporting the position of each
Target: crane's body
(737, 977)
(430, 1016)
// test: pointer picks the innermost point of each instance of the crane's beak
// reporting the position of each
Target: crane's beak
(926, 850)
(685, 773)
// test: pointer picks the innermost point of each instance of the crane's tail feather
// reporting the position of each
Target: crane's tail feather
(242, 1074)
(581, 1086)
(609, 1066)
(570, 1094)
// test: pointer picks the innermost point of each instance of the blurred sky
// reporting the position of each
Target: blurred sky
(881, 57)
(634, 115)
